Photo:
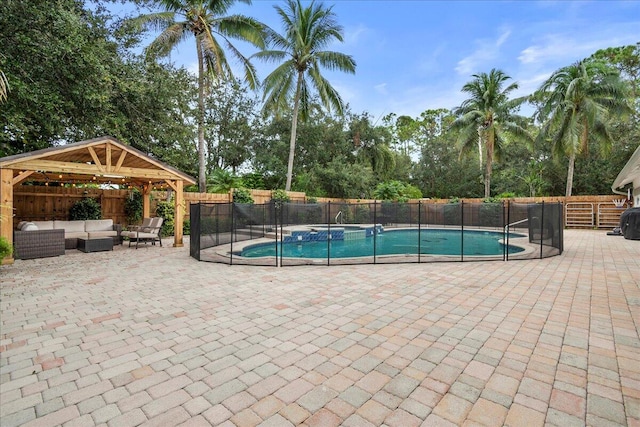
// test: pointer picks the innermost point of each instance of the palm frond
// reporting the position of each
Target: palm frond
(336, 61)
(162, 45)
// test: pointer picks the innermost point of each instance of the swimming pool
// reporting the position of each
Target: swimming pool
(391, 242)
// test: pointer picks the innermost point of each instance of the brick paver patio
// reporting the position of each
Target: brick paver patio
(153, 337)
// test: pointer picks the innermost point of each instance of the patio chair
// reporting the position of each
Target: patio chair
(149, 231)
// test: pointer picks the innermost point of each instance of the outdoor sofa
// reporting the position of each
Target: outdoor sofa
(38, 239)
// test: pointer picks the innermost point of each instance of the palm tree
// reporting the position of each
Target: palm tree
(577, 102)
(4, 87)
(307, 31)
(487, 119)
(205, 20)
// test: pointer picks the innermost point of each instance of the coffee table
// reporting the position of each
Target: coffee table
(95, 245)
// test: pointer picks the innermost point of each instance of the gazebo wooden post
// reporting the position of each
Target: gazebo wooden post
(178, 215)
(6, 209)
(146, 200)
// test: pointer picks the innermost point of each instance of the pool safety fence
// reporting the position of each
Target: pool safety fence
(288, 234)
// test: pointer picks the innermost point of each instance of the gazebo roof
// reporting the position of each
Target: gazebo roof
(103, 160)
(630, 173)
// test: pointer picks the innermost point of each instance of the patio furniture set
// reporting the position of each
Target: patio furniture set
(40, 239)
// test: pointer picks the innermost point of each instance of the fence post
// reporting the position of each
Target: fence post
(329, 234)
(541, 229)
(375, 228)
(232, 231)
(419, 228)
(462, 231)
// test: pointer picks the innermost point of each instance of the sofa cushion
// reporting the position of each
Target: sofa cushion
(75, 234)
(97, 234)
(69, 226)
(44, 225)
(98, 225)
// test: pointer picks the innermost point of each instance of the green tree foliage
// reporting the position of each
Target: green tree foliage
(307, 31)
(222, 181)
(344, 179)
(396, 191)
(58, 59)
(577, 104)
(626, 59)
(72, 78)
(232, 122)
(211, 29)
(372, 145)
(488, 119)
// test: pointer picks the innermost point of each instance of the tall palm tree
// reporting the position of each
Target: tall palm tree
(307, 31)
(205, 20)
(488, 119)
(4, 87)
(577, 102)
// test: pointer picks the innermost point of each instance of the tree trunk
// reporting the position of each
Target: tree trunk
(202, 175)
(572, 162)
(294, 129)
(489, 166)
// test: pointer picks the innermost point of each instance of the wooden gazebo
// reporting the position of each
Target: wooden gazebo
(102, 160)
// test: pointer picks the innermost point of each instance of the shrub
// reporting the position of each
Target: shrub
(165, 209)
(253, 180)
(133, 207)
(242, 195)
(84, 209)
(186, 227)
(5, 248)
(280, 197)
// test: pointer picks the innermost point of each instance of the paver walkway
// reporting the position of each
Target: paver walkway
(153, 337)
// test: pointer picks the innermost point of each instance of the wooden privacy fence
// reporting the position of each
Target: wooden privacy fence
(41, 203)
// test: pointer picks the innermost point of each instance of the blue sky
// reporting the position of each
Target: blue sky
(417, 55)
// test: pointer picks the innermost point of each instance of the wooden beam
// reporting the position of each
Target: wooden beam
(95, 158)
(178, 215)
(21, 177)
(6, 209)
(86, 169)
(108, 156)
(172, 184)
(146, 202)
(123, 154)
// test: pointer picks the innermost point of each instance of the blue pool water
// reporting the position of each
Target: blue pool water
(393, 242)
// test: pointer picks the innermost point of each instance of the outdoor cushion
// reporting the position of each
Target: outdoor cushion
(69, 226)
(44, 225)
(98, 225)
(75, 234)
(28, 226)
(96, 234)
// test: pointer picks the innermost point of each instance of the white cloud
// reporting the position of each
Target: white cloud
(381, 88)
(486, 52)
(352, 36)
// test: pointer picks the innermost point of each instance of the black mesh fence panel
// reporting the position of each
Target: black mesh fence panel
(289, 234)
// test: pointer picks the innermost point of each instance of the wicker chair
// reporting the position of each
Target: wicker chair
(149, 231)
(38, 243)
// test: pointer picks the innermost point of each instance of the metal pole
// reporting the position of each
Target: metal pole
(506, 256)
(232, 232)
(375, 229)
(419, 227)
(328, 217)
(541, 229)
(462, 231)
